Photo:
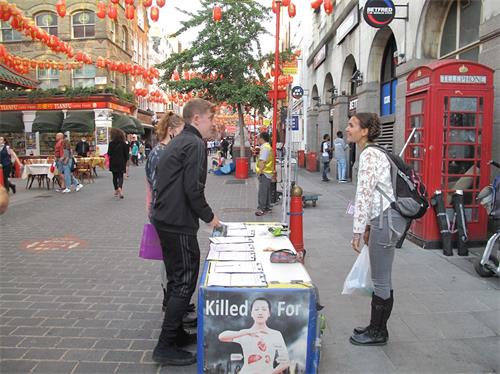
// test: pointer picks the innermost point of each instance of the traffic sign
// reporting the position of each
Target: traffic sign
(297, 92)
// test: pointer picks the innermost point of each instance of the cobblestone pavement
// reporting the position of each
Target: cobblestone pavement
(75, 297)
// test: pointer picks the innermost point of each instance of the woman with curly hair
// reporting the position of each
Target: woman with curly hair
(118, 157)
(375, 221)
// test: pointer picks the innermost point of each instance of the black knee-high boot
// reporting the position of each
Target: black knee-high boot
(387, 314)
(376, 332)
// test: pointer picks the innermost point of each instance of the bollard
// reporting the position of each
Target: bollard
(18, 170)
(296, 212)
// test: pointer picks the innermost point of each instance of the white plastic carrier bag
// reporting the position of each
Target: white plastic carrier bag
(359, 280)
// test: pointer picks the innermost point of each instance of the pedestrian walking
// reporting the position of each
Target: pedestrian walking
(378, 224)
(179, 204)
(264, 169)
(58, 157)
(118, 152)
(224, 145)
(169, 126)
(340, 147)
(134, 151)
(326, 156)
(8, 159)
(67, 167)
(82, 147)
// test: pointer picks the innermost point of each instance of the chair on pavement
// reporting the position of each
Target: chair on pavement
(84, 170)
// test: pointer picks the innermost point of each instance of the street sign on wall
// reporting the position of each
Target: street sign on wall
(379, 13)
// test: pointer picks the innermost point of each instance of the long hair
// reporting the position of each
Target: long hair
(370, 121)
(167, 122)
(117, 135)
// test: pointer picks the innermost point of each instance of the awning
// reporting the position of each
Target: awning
(48, 121)
(15, 79)
(138, 124)
(79, 121)
(11, 122)
(124, 123)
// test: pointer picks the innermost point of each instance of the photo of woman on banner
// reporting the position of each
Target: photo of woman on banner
(262, 346)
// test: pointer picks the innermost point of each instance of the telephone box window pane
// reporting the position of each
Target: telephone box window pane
(463, 104)
(478, 152)
(416, 151)
(461, 151)
(459, 167)
(416, 121)
(416, 107)
(469, 197)
(417, 137)
(415, 164)
(462, 136)
(463, 119)
(470, 18)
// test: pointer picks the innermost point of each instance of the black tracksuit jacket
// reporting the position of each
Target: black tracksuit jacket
(180, 186)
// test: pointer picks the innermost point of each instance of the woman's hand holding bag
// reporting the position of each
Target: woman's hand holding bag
(359, 280)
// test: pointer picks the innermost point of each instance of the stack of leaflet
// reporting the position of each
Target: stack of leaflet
(232, 259)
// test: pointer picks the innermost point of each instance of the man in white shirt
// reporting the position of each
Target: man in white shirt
(326, 153)
(340, 148)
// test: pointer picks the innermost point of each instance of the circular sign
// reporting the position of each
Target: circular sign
(379, 13)
(297, 92)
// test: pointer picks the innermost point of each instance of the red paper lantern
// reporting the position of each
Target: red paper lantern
(160, 3)
(115, 1)
(101, 9)
(154, 13)
(217, 13)
(285, 2)
(328, 6)
(292, 11)
(315, 4)
(130, 12)
(147, 3)
(112, 12)
(61, 8)
(275, 7)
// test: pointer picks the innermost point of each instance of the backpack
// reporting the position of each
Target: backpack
(411, 199)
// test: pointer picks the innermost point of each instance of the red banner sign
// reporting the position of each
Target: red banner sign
(61, 106)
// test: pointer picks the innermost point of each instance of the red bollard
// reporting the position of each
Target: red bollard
(296, 212)
(17, 168)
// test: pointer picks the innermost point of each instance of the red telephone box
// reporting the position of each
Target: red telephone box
(450, 104)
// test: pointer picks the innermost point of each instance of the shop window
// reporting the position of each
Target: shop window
(83, 25)
(9, 34)
(460, 34)
(124, 39)
(84, 77)
(49, 78)
(388, 81)
(47, 21)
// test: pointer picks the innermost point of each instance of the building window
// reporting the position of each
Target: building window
(83, 25)
(49, 78)
(460, 33)
(124, 38)
(47, 21)
(84, 77)
(113, 79)
(9, 34)
(388, 79)
(114, 30)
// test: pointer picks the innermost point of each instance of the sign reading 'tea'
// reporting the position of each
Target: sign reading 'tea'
(379, 13)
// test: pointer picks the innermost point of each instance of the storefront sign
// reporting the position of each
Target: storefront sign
(379, 13)
(61, 106)
(290, 67)
(353, 104)
(232, 341)
(349, 23)
(420, 83)
(320, 57)
(295, 123)
(463, 79)
(30, 140)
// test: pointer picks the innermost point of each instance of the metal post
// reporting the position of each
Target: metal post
(276, 75)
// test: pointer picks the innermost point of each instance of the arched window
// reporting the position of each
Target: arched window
(460, 34)
(47, 21)
(83, 24)
(8, 33)
(124, 38)
(388, 79)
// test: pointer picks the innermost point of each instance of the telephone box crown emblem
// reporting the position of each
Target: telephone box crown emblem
(463, 69)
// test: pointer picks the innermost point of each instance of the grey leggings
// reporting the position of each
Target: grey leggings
(381, 244)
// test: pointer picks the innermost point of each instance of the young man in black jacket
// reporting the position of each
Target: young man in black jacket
(179, 203)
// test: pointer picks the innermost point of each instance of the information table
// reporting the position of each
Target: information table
(255, 316)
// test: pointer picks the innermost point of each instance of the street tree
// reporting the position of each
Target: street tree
(224, 62)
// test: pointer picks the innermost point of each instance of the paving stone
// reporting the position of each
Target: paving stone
(84, 355)
(59, 322)
(99, 333)
(10, 341)
(137, 368)
(17, 366)
(92, 323)
(52, 367)
(95, 367)
(123, 356)
(143, 344)
(113, 344)
(44, 354)
(30, 331)
(40, 342)
(64, 331)
(11, 353)
(76, 343)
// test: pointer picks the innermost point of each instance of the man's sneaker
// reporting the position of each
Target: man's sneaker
(59, 189)
(172, 355)
(260, 213)
(79, 187)
(326, 180)
(268, 210)
(66, 190)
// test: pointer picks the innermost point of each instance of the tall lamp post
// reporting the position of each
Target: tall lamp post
(276, 75)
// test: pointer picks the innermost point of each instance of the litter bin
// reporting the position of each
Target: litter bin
(241, 168)
(312, 161)
(302, 159)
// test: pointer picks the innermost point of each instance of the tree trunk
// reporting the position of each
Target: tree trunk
(241, 125)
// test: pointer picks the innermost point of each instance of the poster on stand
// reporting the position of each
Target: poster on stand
(101, 135)
(30, 141)
(255, 332)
